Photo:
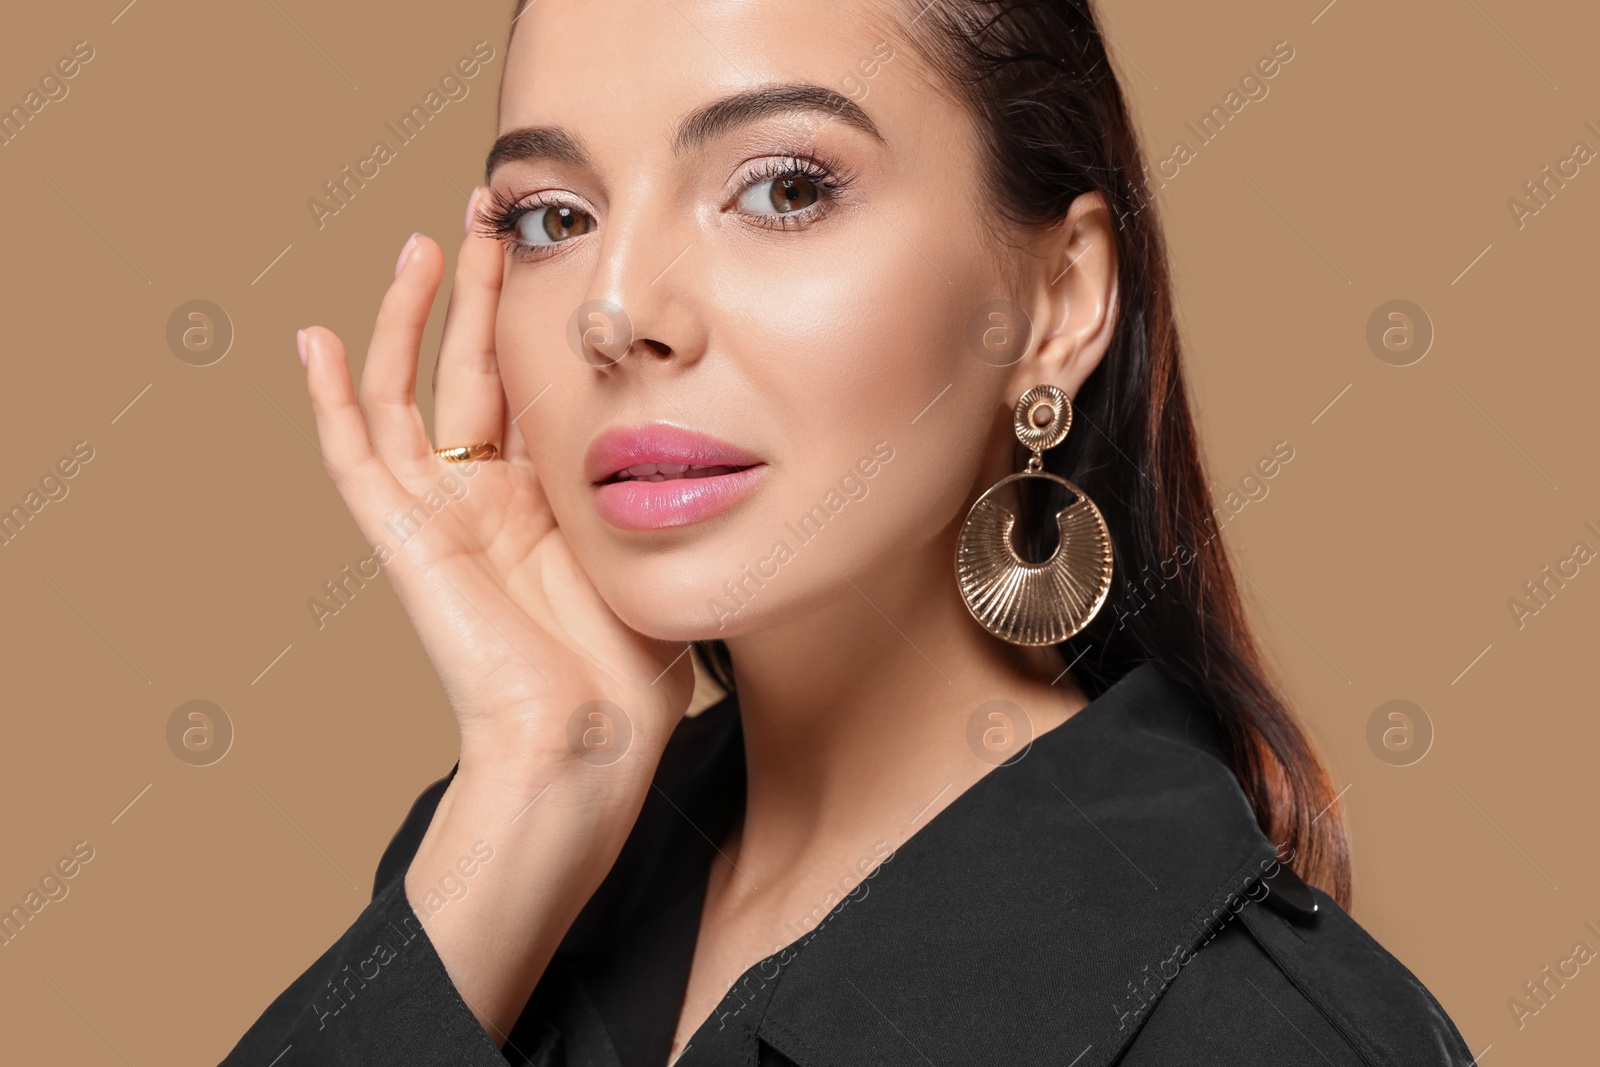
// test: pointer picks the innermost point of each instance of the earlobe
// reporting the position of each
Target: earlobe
(1076, 290)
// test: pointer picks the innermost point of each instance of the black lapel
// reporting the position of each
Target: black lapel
(1039, 915)
(616, 986)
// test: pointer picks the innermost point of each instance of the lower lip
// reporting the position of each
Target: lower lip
(641, 505)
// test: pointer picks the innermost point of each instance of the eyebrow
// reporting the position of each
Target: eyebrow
(557, 144)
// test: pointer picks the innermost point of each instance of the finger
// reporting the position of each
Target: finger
(388, 395)
(515, 446)
(369, 488)
(469, 399)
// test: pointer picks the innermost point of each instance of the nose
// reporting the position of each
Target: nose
(644, 307)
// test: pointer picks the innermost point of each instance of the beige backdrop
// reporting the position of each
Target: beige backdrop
(179, 563)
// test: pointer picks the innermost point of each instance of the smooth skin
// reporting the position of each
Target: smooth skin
(858, 666)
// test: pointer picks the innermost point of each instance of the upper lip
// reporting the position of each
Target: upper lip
(620, 447)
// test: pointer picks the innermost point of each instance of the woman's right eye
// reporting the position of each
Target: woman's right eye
(530, 227)
(552, 224)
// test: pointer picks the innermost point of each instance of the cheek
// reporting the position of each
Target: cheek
(545, 383)
(848, 345)
(870, 351)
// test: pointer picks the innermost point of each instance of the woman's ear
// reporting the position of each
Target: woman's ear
(1074, 299)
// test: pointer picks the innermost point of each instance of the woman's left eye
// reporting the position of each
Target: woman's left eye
(781, 195)
(793, 191)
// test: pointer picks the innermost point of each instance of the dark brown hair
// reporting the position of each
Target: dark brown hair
(1038, 79)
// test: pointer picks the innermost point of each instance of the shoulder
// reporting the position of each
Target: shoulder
(1277, 986)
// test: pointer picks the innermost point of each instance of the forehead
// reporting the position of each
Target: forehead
(599, 62)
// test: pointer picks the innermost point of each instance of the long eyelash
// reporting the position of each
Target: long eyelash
(833, 181)
(500, 215)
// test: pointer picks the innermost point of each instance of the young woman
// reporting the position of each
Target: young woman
(835, 344)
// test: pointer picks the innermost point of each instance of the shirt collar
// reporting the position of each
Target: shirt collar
(1065, 888)
(1040, 913)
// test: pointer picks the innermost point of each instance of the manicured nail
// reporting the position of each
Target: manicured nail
(300, 343)
(472, 202)
(405, 254)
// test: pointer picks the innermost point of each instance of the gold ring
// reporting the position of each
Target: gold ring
(466, 453)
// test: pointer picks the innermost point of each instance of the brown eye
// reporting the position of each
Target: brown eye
(552, 225)
(792, 194)
(780, 195)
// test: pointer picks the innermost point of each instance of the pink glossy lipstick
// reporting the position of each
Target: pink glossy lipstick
(657, 475)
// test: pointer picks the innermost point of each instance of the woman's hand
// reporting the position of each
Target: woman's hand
(515, 630)
(517, 633)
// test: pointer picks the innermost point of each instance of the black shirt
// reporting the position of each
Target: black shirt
(1105, 897)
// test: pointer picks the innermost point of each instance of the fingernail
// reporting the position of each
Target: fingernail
(405, 253)
(472, 202)
(300, 344)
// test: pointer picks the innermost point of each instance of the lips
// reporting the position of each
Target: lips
(657, 475)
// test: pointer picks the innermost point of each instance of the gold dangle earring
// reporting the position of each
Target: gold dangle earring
(1034, 603)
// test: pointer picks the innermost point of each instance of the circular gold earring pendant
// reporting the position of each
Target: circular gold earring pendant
(1034, 603)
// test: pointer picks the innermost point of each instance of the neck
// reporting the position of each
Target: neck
(857, 716)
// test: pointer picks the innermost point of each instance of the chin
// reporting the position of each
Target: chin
(667, 608)
(713, 586)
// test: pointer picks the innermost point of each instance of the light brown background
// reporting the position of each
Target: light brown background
(180, 564)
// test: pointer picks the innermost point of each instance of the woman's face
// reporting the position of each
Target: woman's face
(788, 215)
